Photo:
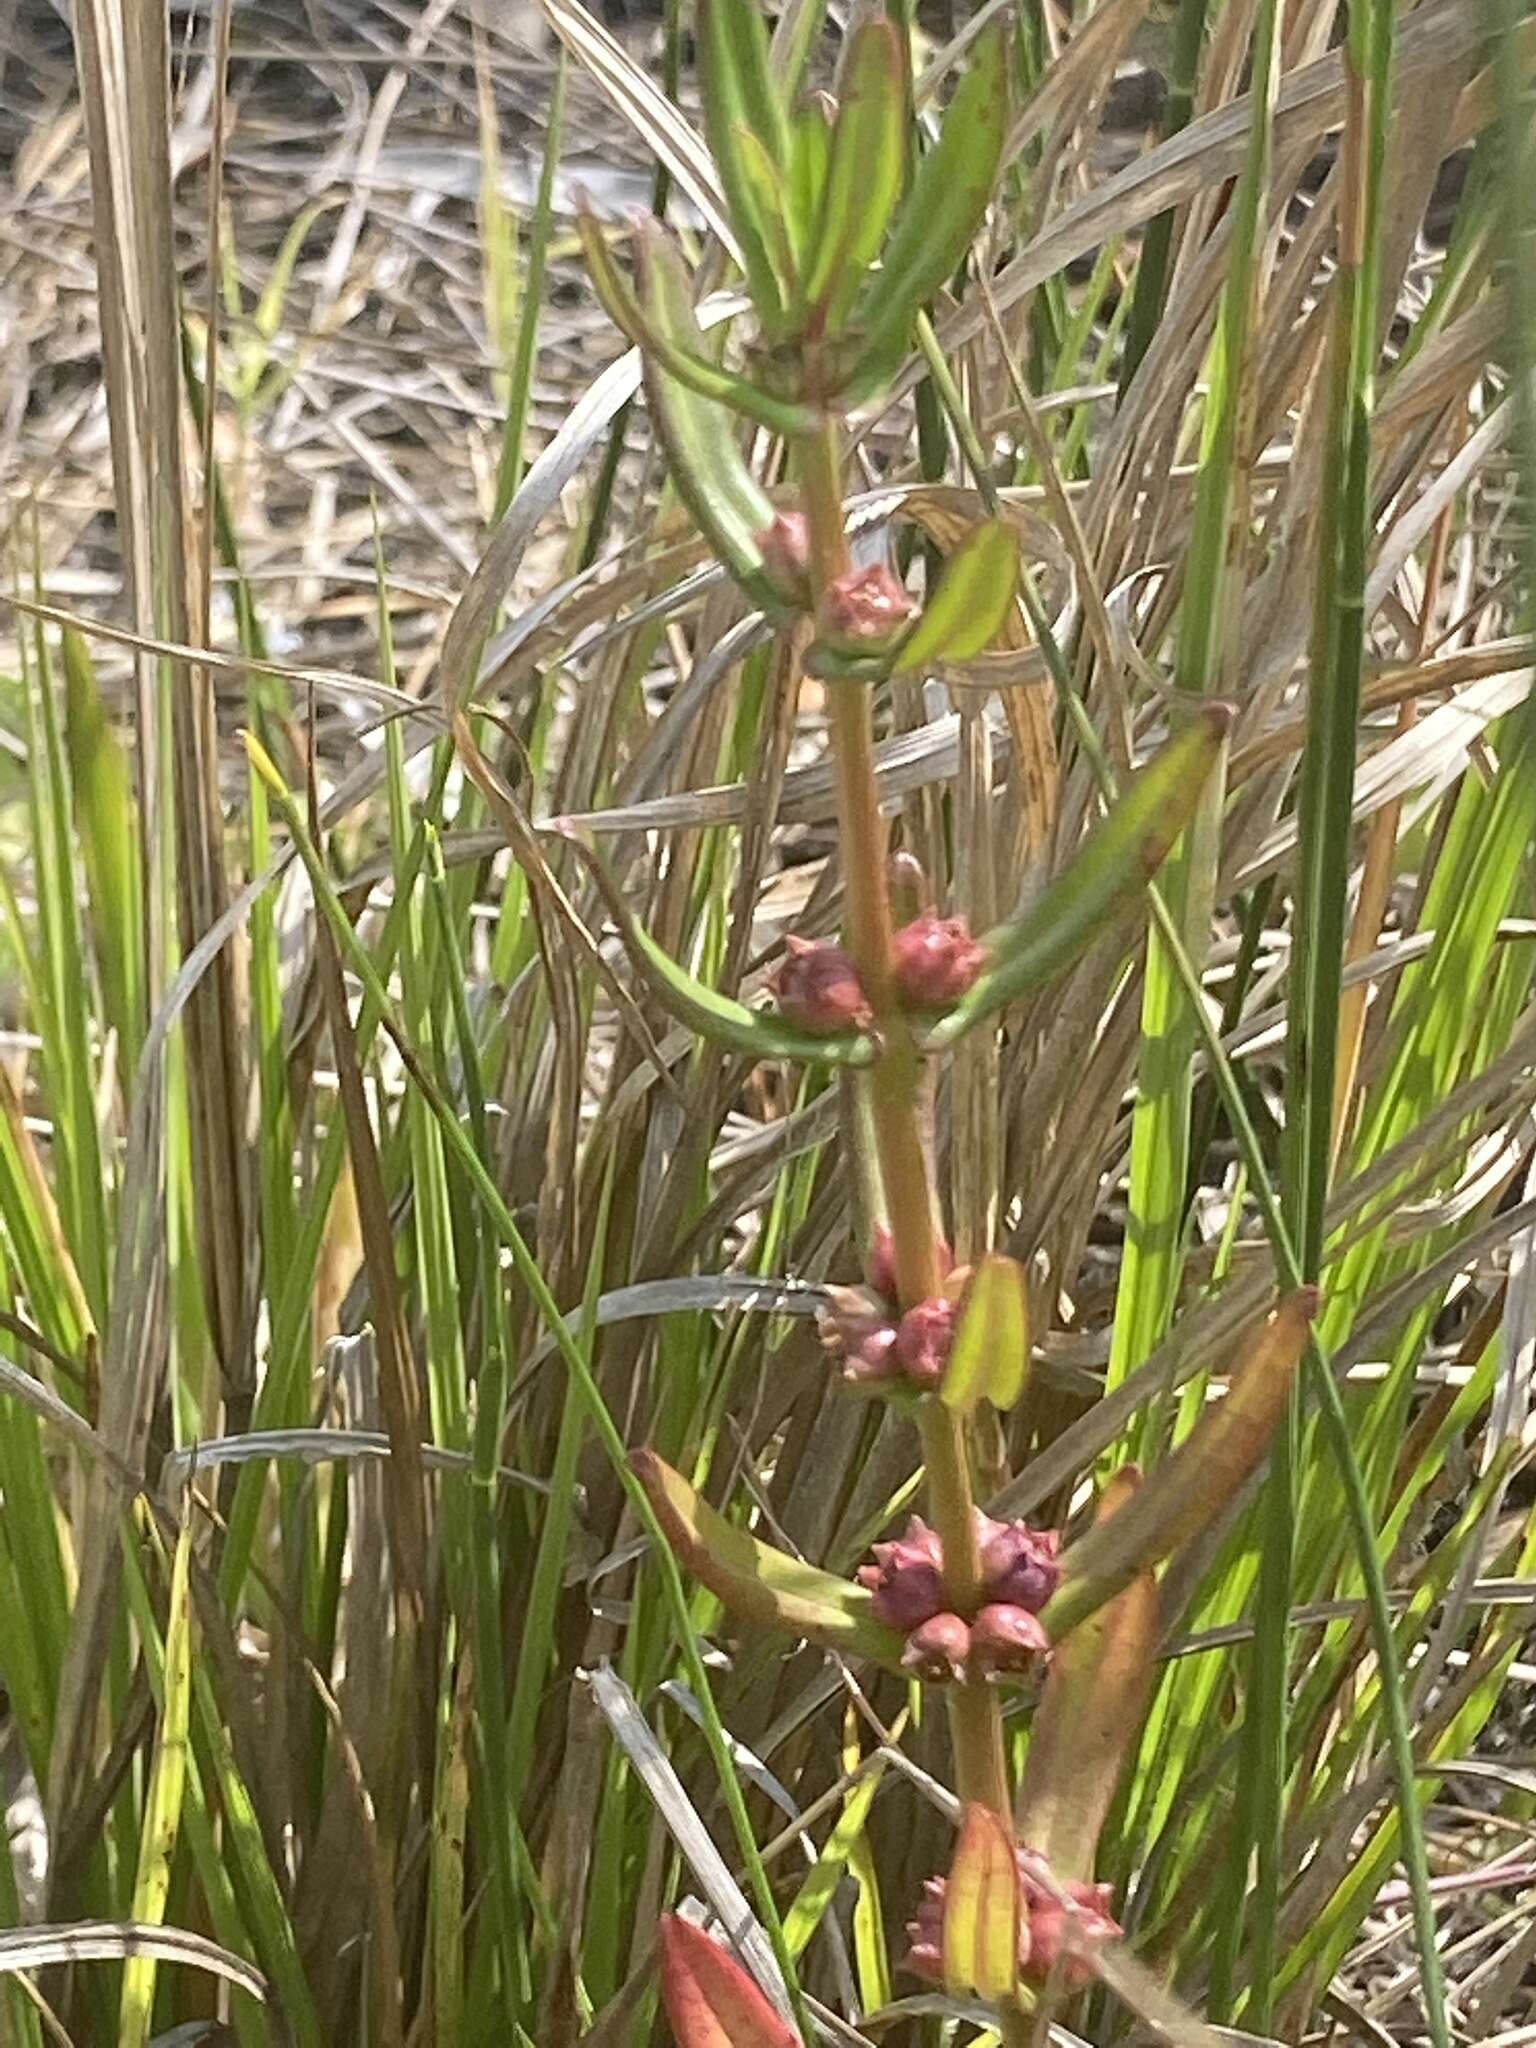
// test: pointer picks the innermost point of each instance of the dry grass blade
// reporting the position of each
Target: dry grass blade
(728, 1902)
(636, 99)
(110, 1941)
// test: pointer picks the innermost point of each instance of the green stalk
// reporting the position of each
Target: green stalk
(1326, 796)
(1160, 1133)
(1336, 1428)
(1151, 292)
(461, 1147)
(895, 1082)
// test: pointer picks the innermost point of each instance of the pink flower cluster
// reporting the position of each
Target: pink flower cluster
(875, 1341)
(1056, 1934)
(934, 960)
(1019, 1571)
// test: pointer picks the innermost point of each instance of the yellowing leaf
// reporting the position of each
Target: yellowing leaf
(969, 608)
(990, 1355)
(1089, 1714)
(757, 1583)
(1188, 1490)
(982, 1908)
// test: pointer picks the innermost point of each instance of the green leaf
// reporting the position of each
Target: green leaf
(974, 597)
(810, 161)
(1113, 866)
(712, 2000)
(728, 504)
(691, 367)
(864, 171)
(102, 789)
(941, 211)
(728, 1022)
(990, 1354)
(821, 1883)
(1090, 1713)
(756, 1583)
(982, 1909)
(1190, 1488)
(739, 96)
(715, 1016)
(163, 1801)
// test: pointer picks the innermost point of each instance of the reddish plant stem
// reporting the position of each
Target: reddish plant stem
(895, 1095)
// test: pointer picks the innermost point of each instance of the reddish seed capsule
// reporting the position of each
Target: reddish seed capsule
(860, 1335)
(1059, 1934)
(881, 1262)
(1019, 1565)
(934, 960)
(906, 1578)
(818, 988)
(925, 1934)
(1006, 1639)
(864, 609)
(938, 1649)
(924, 1337)
(785, 545)
(907, 886)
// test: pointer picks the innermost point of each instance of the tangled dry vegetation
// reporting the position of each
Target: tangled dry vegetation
(373, 1706)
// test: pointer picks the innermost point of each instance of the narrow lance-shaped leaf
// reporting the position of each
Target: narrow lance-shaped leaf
(971, 604)
(756, 1583)
(1089, 1714)
(864, 171)
(739, 97)
(102, 788)
(990, 1353)
(704, 1009)
(712, 2000)
(940, 213)
(982, 1909)
(729, 506)
(1179, 1500)
(1118, 859)
(163, 1803)
(768, 182)
(810, 160)
(699, 372)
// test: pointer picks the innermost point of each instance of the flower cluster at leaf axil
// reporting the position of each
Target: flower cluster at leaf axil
(1019, 1572)
(934, 960)
(1058, 1928)
(879, 1344)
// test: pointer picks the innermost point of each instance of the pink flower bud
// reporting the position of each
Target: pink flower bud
(818, 988)
(857, 1331)
(1005, 1638)
(1059, 1933)
(1019, 1565)
(937, 1649)
(864, 609)
(934, 960)
(785, 546)
(881, 1262)
(907, 1578)
(925, 1934)
(923, 1339)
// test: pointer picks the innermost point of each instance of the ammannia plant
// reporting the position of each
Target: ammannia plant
(842, 244)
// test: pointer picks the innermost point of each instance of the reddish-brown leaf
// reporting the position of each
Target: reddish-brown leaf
(711, 2000)
(1188, 1490)
(1089, 1713)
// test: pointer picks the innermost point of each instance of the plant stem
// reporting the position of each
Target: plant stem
(895, 1094)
